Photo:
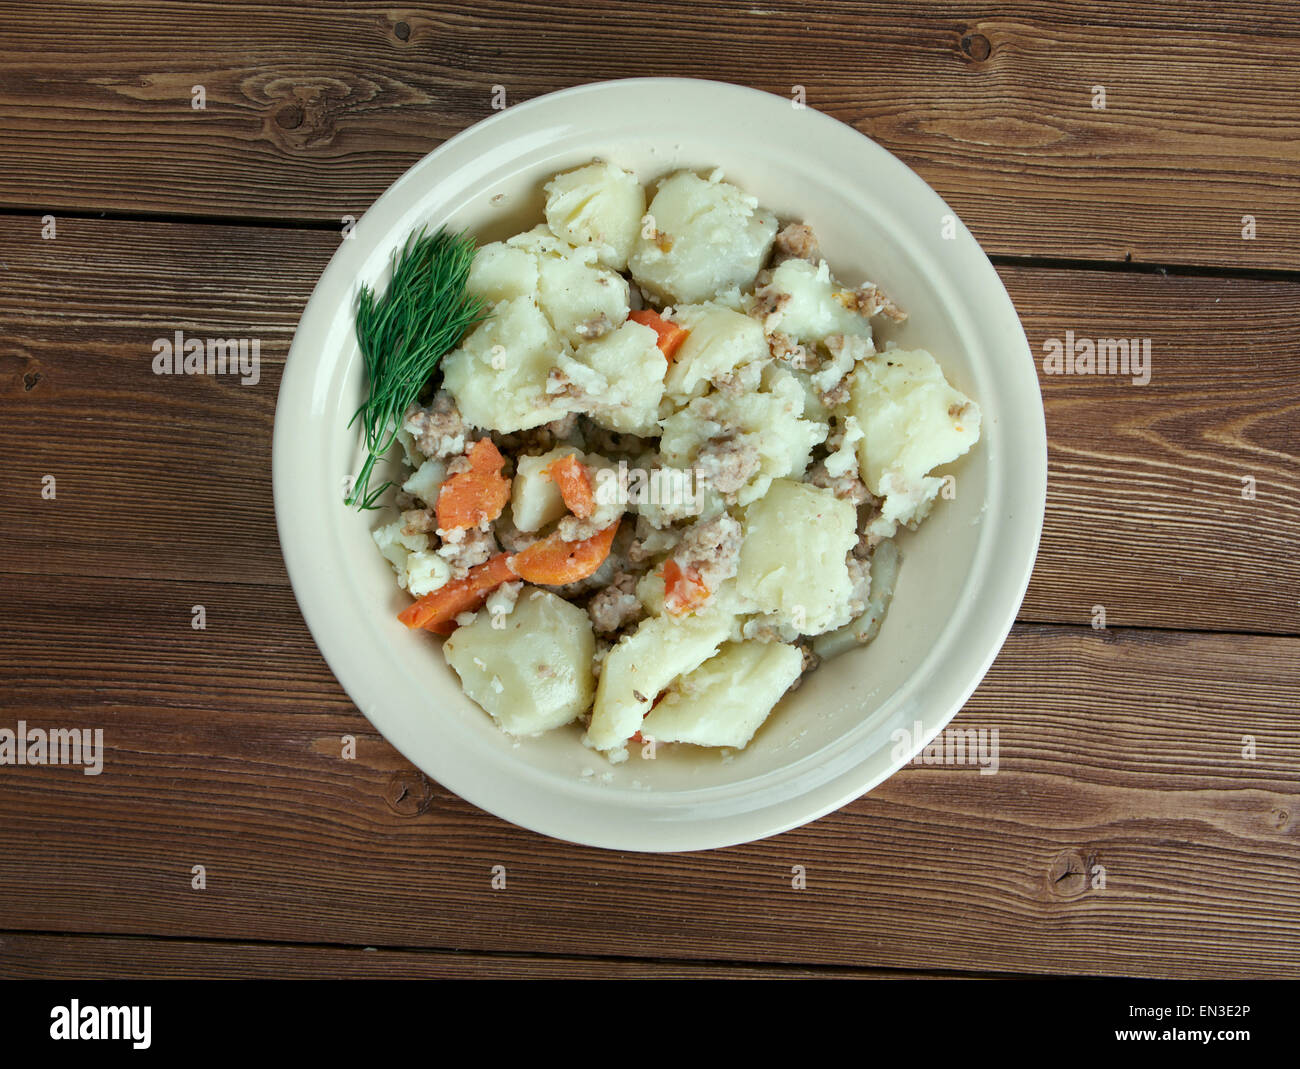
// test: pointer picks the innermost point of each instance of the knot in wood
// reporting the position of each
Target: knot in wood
(976, 46)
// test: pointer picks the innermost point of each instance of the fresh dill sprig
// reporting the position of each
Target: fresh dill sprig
(422, 315)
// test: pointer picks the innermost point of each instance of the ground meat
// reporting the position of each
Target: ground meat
(438, 430)
(573, 529)
(595, 327)
(789, 352)
(611, 443)
(650, 542)
(871, 301)
(810, 661)
(847, 486)
(459, 466)
(512, 539)
(796, 241)
(466, 547)
(537, 440)
(711, 549)
(419, 521)
(744, 379)
(768, 302)
(727, 463)
(831, 379)
(616, 606)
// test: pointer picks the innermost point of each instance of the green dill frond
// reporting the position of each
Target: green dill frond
(423, 314)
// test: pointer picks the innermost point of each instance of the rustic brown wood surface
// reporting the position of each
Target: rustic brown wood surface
(1123, 751)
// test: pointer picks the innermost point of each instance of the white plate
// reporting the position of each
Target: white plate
(964, 572)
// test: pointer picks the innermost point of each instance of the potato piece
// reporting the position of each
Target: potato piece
(771, 416)
(792, 560)
(498, 375)
(599, 205)
(533, 674)
(619, 379)
(535, 499)
(643, 663)
(650, 592)
(806, 304)
(912, 421)
(426, 571)
(501, 273)
(710, 237)
(723, 702)
(720, 340)
(397, 547)
(580, 298)
(426, 481)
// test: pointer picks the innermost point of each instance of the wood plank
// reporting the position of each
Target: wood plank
(1145, 514)
(1122, 749)
(78, 957)
(312, 112)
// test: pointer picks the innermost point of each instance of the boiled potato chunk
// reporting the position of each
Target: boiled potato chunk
(912, 421)
(535, 498)
(723, 702)
(599, 205)
(427, 480)
(534, 673)
(498, 375)
(580, 298)
(643, 663)
(792, 562)
(709, 237)
(620, 379)
(808, 308)
(501, 272)
(720, 340)
(397, 547)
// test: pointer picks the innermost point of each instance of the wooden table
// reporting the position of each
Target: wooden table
(1128, 748)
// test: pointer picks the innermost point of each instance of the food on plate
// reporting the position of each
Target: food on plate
(657, 464)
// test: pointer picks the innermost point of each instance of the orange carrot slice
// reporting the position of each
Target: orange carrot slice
(554, 562)
(437, 611)
(570, 475)
(470, 497)
(684, 590)
(670, 334)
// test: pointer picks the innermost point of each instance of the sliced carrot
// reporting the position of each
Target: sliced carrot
(554, 562)
(684, 590)
(570, 475)
(470, 497)
(437, 611)
(670, 334)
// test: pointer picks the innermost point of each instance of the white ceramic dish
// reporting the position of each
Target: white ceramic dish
(964, 572)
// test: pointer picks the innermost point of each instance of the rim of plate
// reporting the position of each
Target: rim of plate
(702, 818)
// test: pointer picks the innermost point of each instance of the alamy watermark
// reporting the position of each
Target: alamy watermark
(654, 486)
(57, 746)
(180, 355)
(1100, 356)
(955, 746)
(75, 1021)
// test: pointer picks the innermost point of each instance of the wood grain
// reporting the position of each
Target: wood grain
(61, 957)
(163, 476)
(312, 111)
(1122, 749)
